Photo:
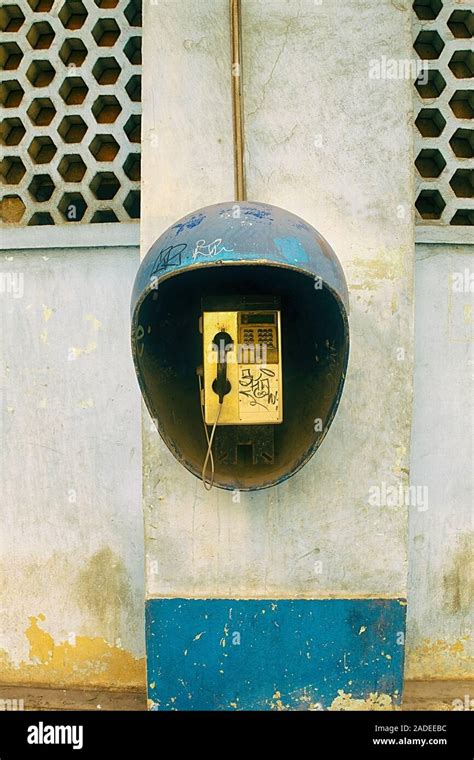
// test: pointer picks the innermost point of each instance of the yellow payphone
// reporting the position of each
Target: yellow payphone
(242, 364)
(242, 367)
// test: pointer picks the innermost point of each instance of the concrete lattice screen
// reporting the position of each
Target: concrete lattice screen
(71, 94)
(444, 110)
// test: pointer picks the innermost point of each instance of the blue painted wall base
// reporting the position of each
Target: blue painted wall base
(224, 654)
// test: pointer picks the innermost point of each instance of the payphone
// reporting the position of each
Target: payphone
(242, 362)
(242, 371)
(240, 340)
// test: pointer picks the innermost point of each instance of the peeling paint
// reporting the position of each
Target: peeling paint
(95, 323)
(70, 489)
(293, 643)
(76, 351)
(373, 702)
(368, 274)
(88, 662)
(301, 700)
(47, 312)
(445, 658)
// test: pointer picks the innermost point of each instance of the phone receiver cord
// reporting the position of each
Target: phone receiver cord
(208, 484)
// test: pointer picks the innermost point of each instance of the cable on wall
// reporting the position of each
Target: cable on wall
(237, 99)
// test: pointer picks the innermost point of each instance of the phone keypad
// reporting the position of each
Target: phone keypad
(261, 336)
(266, 336)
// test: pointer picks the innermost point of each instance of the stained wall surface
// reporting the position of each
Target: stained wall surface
(298, 119)
(441, 551)
(324, 141)
(328, 532)
(71, 542)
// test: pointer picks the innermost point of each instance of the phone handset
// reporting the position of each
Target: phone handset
(223, 344)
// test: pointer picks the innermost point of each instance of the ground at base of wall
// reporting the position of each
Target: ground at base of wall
(419, 695)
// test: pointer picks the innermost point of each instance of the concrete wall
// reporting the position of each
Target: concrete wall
(71, 542)
(353, 201)
(441, 551)
(308, 99)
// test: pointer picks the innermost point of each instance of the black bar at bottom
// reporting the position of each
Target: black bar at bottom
(155, 734)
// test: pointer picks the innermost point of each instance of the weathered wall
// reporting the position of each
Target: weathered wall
(71, 539)
(441, 551)
(319, 133)
(329, 144)
(268, 544)
(185, 121)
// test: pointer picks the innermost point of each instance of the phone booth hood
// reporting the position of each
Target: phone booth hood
(241, 249)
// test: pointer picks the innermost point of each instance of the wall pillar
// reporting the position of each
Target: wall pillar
(293, 597)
